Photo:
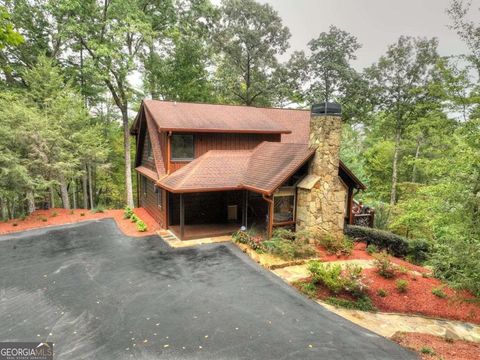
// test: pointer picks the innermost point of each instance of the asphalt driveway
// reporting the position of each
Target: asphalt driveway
(98, 294)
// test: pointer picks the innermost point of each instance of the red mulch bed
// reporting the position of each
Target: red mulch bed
(63, 216)
(419, 298)
(358, 253)
(446, 350)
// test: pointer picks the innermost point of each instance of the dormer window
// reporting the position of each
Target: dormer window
(182, 147)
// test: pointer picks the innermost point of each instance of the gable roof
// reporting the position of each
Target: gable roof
(187, 117)
(262, 169)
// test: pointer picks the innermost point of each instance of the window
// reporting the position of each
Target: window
(144, 186)
(284, 205)
(182, 147)
(159, 193)
(148, 144)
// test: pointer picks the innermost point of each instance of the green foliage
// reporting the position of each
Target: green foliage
(141, 226)
(394, 244)
(333, 245)
(438, 291)
(382, 293)
(363, 303)
(8, 36)
(134, 218)
(308, 288)
(127, 212)
(98, 209)
(385, 267)
(371, 249)
(349, 280)
(418, 251)
(402, 285)
(54, 213)
(289, 245)
(427, 350)
(248, 238)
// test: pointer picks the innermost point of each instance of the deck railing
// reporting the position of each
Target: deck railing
(367, 220)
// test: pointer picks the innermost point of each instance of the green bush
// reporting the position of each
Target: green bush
(402, 285)
(134, 218)
(382, 293)
(418, 251)
(54, 213)
(371, 249)
(247, 238)
(363, 303)
(336, 280)
(289, 245)
(127, 212)
(98, 209)
(384, 265)
(438, 291)
(307, 288)
(458, 262)
(14, 224)
(141, 226)
(394, 244)
(335, 246)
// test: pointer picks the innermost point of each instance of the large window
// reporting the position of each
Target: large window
(284, 206)
(182, 148)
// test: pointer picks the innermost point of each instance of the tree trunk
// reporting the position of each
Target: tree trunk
(128, 162)
(52, 197)
(74, 193)
(64, 192)
(393, 194)
(30, 202)
(417, 155)
(3, 209)
(84, 190)
(90, 191)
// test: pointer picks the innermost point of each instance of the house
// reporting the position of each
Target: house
(206, 170)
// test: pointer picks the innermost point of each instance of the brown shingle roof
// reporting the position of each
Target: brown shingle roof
(263, 169)
(156, 149)
(151, 174)
(271, 163)
(173, 116)
(214, 170)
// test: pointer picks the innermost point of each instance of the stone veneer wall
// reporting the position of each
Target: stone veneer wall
(323, 206)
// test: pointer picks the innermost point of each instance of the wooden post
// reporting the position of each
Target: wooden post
(182, 217)
(269, 200)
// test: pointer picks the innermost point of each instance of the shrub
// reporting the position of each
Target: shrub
(371, 249)
(402, 285)
(363, 303)
(98, 209)
(333, 245)
(289, 245)
(337, 280)
(23, 217)
(14, 224)
(82, 214)
(54, 213)
(141, 226)
(307, 288)
(127, 212)
(246, 237)
(43, 218)
(394, 244)
(438, 291)
(382, 292)
(71, 212)
(384, 265)
(134, 218)
(427, 350)
(418, 251)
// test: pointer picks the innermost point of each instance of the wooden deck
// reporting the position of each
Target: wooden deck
(205, 230)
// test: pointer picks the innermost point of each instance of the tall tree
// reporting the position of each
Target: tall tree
(249, 38)
(468, 30)
(400, 82)
(113, 33)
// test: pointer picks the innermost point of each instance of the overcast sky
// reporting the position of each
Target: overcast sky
(376, 23)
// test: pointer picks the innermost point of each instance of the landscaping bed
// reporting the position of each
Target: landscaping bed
(57, 216)
(434, 347)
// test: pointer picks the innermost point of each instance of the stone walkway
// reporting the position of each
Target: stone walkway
(175, 242)
(387, 324)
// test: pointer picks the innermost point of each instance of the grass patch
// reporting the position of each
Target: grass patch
(363, 303)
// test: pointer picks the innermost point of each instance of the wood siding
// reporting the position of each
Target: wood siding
(148, 200)
(204, 142)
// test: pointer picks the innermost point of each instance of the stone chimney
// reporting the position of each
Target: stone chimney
(321, 195)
